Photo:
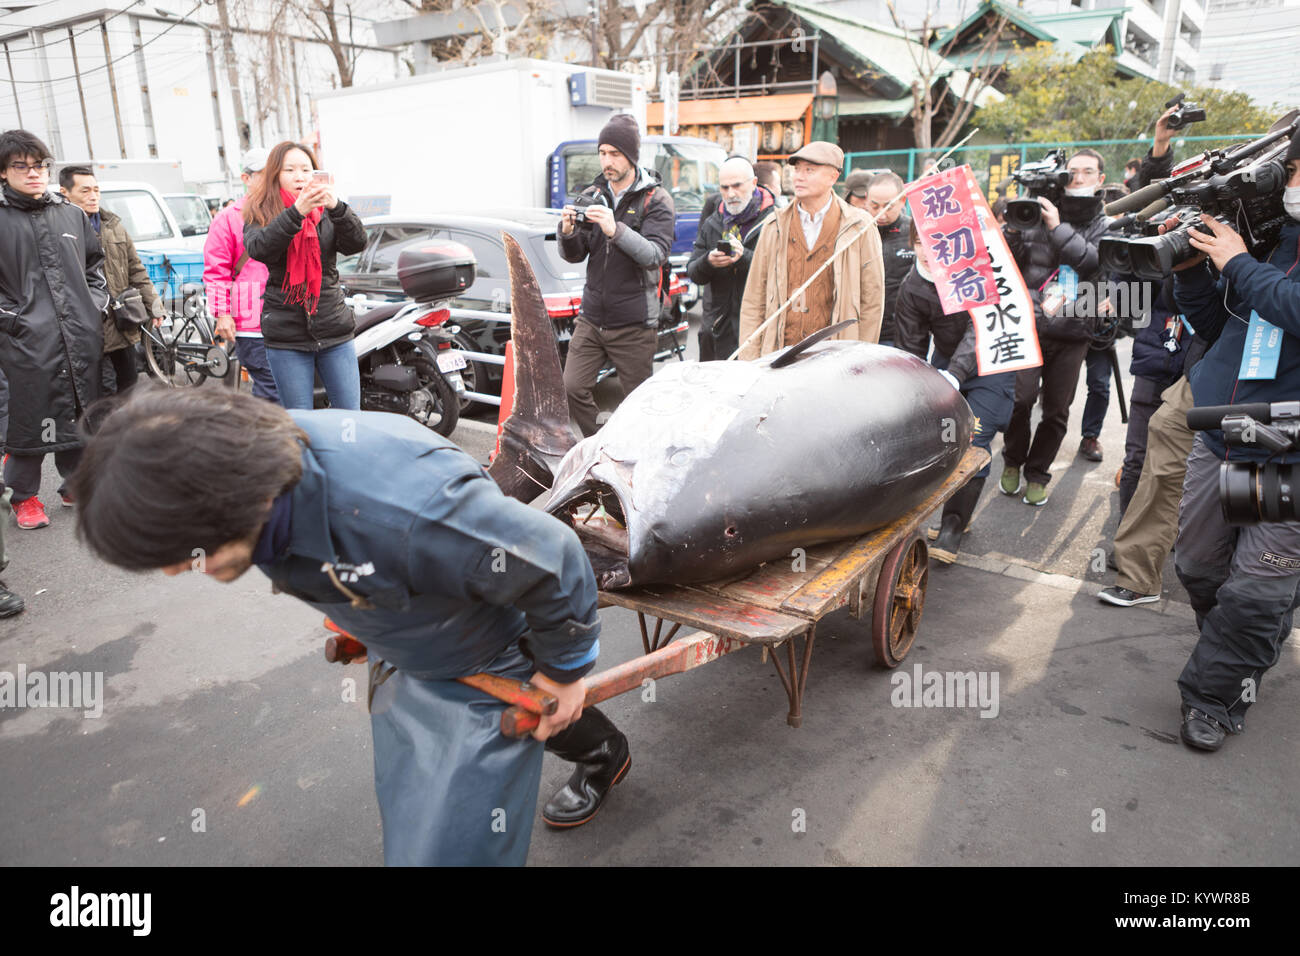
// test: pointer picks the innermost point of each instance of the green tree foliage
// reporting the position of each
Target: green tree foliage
(1050, 99)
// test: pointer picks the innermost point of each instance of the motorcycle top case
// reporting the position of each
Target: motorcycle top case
(435, 270)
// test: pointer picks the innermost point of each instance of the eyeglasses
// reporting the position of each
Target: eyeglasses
(21, 168)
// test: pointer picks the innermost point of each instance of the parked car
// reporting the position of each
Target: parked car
(483, 311)
(191, 213)
(147, 217)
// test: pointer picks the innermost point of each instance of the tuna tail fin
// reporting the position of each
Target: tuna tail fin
(537, 434)
(794, 351)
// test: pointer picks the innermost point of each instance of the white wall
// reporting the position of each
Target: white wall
(179, 93)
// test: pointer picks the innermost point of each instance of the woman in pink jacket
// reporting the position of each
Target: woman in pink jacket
(234, 283)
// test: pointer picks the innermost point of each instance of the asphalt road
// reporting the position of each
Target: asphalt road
(227, 739)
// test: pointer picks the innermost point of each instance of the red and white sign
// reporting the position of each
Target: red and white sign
(943, 209)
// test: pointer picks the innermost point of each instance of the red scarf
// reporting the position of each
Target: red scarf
(302, 269)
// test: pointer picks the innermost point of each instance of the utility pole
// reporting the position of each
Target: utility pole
(232, 75)
(216, 107)
(81, 94)
(13, 86)
(47, 94)
(112, 88)
(150, 138)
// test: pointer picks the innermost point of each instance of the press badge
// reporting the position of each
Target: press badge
(1069, 280)
(1263, 346)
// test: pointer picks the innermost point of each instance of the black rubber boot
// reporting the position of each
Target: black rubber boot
(957, 512)
(601, 753)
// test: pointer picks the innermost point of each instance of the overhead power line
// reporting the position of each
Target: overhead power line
(118, 59)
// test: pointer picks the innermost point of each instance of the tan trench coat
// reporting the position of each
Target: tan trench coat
(123, 270)
(859, 275)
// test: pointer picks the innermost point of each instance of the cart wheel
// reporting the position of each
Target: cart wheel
(900, 598)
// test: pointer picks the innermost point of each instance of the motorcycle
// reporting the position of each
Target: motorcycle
(408, 364)
(405, 350)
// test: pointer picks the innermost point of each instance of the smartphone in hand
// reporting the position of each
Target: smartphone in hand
(724, 247)
(320, 177)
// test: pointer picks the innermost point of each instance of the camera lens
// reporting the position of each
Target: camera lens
(1154, 257)
(1113, 254)
(1023, 213)
(1250, 493)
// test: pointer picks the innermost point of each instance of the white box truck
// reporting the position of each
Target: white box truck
(465, 139)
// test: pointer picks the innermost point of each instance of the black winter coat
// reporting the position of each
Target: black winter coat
(284, 326)
(52, 300)
(624, 274)
(1039, 252)
(897, 249)
(726, 286)
(918, 314)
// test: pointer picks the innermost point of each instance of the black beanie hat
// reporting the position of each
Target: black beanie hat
(1293, 152)
(621, 133)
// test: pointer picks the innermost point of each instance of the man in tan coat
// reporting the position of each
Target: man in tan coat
(122, 268)
(795, 243)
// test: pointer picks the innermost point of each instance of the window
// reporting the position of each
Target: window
(581, 167)
(191, 214)
(391, 242)
(140, 213)
(489, 254)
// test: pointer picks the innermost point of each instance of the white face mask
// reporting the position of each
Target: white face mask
(1291, 201)
(921, 270)
(1081, 191)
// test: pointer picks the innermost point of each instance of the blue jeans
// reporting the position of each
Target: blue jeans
(1094, 409)
(295, 376)
(252, 355)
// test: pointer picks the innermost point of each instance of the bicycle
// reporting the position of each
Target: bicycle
(187, 354)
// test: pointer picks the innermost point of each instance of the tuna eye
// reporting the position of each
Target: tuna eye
(731, 531)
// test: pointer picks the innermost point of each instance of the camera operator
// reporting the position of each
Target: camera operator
(735, 225)
(626, 238)
(1242, 581)
(1061, 247)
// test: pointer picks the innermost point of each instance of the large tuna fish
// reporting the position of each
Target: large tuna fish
(711, 468)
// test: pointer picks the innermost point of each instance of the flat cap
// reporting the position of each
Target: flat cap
(823, 154)
(855, 184)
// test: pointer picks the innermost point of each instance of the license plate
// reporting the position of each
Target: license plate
(451, 361)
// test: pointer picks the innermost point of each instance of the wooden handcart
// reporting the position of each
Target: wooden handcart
(883, 573)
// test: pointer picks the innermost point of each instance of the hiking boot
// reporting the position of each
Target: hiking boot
(1010, 483)
(1035, 494)
(10, 603)
(1090, 449)
(30, 514)
(1123, 597)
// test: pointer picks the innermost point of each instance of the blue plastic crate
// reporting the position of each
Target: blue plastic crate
(170, 270)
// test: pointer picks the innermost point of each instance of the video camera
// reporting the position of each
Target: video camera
(1240, 186)
(1186, 114)
(1047, 178)
(1251, 492)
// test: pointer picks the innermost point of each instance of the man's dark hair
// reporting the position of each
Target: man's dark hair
(1000, 210)
(886, 179)
(167, 472)
(68, 175)
(18, 144)
(1101, 163)
(769, 176)
(1134, 164)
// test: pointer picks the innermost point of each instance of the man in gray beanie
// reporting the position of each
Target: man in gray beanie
(623, 225)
